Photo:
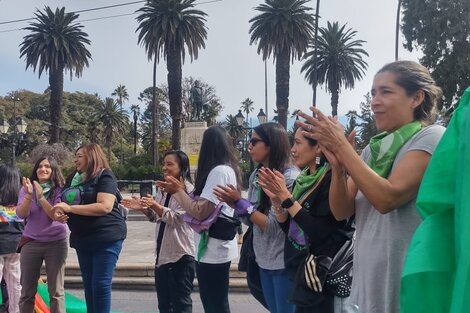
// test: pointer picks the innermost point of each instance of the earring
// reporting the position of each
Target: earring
(317, 160)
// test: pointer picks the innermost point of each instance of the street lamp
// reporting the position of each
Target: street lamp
(18, 129)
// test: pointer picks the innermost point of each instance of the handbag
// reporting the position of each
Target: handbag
(339, 279)
(225, 227)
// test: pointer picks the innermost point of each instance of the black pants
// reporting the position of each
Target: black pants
(213, 286)
(174, 284)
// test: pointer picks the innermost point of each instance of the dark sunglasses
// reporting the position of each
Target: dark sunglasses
(254, 141)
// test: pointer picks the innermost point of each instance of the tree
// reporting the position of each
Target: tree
(235, 131)
(367, 124)
(339, 61)
(56, 43)
(166, 28)
(135, 109)
(121, 93)
(352, 121)
(441, 29)
(283, 28)
(113, 119)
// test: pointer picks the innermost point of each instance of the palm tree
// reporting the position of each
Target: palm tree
(167, 28)
(114, 119)
(135, 109)
(247, 107)
(284, 28)
(232, 127)
(339, 61)
(56, 43)
(121, 93)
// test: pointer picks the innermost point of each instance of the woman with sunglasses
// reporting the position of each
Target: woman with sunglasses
(269, 147)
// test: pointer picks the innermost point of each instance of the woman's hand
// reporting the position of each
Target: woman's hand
(274, 183)
(38, 190)
(28, 187)
(60, 216)
(149, 202)
(134, 203)
(326, 130)
(62, 206)
(171, 185)
(228, 194)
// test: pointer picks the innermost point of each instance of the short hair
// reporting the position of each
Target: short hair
(413, 77)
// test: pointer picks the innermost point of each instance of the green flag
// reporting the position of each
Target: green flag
(436, 274)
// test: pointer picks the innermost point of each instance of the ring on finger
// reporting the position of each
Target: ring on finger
(310, 128)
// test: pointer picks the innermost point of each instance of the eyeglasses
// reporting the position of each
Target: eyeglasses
(254, 141)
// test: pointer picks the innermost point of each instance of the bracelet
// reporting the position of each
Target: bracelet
(42, 198)
(30, 198)
(279, 210)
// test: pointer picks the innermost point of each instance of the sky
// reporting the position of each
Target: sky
(228, 62)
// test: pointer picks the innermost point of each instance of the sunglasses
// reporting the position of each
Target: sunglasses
(254, 141)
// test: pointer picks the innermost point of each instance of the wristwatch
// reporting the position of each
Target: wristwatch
(287, 203)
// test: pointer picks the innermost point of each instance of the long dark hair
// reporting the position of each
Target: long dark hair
(183, 163)
(216, 149)
(9, 185)
(57, 179)
(276, 138)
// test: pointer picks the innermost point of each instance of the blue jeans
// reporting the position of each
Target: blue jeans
(276, 289)
(97, 265)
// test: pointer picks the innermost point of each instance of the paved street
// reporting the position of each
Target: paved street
(145, 301)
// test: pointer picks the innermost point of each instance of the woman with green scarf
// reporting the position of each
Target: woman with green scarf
(306, 218)
(44, 239)
(381, 185)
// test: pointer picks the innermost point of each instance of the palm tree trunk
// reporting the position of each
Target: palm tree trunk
(282, 86)
(334, 101)
(56, 83)
(174, 94)
(154, 114)
(135, 133)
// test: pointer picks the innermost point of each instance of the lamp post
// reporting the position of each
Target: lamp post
(240, 121)
(16, 132)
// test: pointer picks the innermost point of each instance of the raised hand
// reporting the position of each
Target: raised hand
(134, 203)
(28, 187)
(38, 190)
(228, 194)
(274, 184)
(171, 184)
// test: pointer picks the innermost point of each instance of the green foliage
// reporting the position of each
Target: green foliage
(441, 29)
(25, 168)
(339, 61)
(367, 128)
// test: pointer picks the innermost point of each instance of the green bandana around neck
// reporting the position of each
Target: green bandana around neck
(77, 179)
(384, 147)
(306, 180)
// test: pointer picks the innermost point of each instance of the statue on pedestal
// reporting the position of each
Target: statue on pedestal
(196, 99)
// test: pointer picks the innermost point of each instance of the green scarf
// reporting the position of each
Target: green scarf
(77, 179)
(306, 181)
(46, 192)
(202, 247)
(384, 147)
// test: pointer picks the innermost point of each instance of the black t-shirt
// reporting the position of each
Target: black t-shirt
(91, 231)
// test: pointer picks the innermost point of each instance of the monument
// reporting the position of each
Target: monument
(191, 134)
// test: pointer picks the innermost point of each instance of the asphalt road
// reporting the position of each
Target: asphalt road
(145, 302)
